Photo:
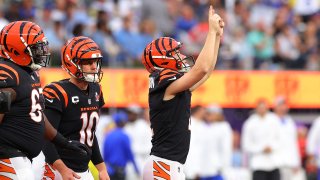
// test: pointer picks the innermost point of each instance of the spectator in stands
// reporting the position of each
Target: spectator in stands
(12, 12)
(287, 44)
(262, 41)
(27, 10)
(187, 19)
(3, 20)
(127, 39)
(157, 11)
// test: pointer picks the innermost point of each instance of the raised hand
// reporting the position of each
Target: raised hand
(216, 23)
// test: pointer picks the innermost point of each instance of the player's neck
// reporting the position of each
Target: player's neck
(83, 85)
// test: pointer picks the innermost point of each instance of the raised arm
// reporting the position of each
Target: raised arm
(216, 50)
(204, 62)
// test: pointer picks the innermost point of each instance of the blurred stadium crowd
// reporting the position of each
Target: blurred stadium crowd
(259, 34)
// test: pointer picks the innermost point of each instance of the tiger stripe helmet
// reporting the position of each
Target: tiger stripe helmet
(79, 49)
(159, 54)
(24, 43)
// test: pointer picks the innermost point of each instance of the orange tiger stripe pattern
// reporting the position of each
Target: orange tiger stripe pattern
(47, 95)
(63, 92)
(7, 170)
(158, 54)
(78, 49)
(161, 171)
(47, 91)
(48, 172)
(166, 74)
(15, 37)
(11, 70)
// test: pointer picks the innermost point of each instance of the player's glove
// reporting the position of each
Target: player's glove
(70, 145)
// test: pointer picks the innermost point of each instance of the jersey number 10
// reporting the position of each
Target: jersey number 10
(87, 130)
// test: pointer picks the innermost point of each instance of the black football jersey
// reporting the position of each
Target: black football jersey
(169, 119)
(79, 112)
(23, 127)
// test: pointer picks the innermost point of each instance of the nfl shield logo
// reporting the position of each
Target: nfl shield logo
(89, 101)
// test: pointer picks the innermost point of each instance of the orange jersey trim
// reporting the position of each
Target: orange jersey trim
(63, 92)
(12, 70)
(49, 90)
(2, 72)
(47, 95)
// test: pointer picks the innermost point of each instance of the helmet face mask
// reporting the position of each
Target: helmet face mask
(183, 64)
(164, 53)
(78, 54)
(39, 53)
(90, 76)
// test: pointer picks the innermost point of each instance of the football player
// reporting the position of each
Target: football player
(173, 76)
(23, 125)
(72, 106)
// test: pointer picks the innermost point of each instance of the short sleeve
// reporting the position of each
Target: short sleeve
(54, 98)
(167, 76)
(9, 75)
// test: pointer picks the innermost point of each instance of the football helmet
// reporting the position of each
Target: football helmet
(24, 43)
(75, 52)
(163, 53)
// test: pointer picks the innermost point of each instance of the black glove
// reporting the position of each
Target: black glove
(69, 145)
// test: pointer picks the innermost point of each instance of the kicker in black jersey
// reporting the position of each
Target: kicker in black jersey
(79, 115)
(23, 127)
(169, 119)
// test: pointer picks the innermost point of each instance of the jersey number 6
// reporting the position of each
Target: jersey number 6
(36, 108)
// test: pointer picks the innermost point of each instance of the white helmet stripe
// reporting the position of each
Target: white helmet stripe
(163, 57)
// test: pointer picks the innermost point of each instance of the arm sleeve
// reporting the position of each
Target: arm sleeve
(96, 157)
(49, 149)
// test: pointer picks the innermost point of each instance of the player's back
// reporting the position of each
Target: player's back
(23, 127)
(169, 119)
(79, 113)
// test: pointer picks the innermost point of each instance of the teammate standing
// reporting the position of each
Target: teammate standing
(23, 126)
(72, 106)
(173, 77)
